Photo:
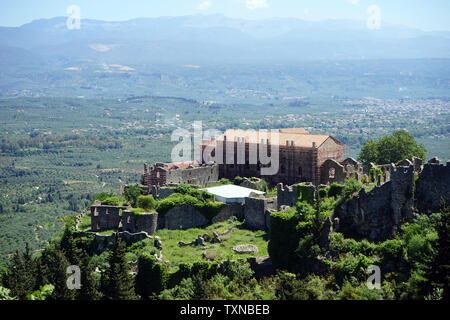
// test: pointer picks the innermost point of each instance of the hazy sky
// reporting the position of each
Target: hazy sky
(422, 14)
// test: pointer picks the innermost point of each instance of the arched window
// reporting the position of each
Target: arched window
(332, 173)
(300, 171)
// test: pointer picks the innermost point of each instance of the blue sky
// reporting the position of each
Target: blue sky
(422, 14)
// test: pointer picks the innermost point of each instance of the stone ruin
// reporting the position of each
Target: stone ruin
(105, 217)
(334, 171)
(147, 222)
(375, 215)
(378, 214)
(433, 186)
(245, 248)
(257, 212)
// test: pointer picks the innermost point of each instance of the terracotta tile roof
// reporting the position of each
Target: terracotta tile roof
(296, 135)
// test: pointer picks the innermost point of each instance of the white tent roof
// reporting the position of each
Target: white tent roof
(230, 191)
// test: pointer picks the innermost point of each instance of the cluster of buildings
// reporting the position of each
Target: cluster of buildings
(301, 157)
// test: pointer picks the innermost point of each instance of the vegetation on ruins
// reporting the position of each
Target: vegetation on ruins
(414, 265)
(187, 195)
(146, 203)
(132, 193)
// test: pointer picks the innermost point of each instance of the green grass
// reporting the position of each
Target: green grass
(106, 232)
(85, 224)
(218, 251)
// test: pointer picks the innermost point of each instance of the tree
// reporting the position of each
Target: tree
(21, 275)
(131, 193)
(54, 269)
(441, 266)
(399, 146)
(119, 285)
(152, 276)
(88, 289)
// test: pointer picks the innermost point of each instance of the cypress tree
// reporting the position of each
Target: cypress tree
(54, 267)
(119, 283)
(442, 258)
(21, 275)
(88, 289)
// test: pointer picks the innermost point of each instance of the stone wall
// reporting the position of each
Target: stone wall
(377, 215)
(332, 171)
(228, 211)
(105, 217)
(286, 195)
(160, 193)
(201, 176)
(184, 217)
(257, 212)
(432, 186)
(147, 222)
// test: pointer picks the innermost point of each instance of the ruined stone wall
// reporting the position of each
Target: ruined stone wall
(432, 186)
(257, 210)
(286, 195)
(200, 176)
(228, 211)
(160, 193)
(184, 217)
(147, 222)
(105, 217)
(332, 171)
(329, 150)
(378, 214)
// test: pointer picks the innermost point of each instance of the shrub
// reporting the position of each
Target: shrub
(103, 196)
(137, 211)
(323, 193)
(237, 270)
(351, 186)
(224, 181)
(111, 201)
(188, 190)
(374, 172)
(146, 202)
(238, 180)
(335, 189)
(131, 194)
(305, 193)
(208, 208)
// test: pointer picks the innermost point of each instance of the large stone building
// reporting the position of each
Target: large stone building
(301, 154)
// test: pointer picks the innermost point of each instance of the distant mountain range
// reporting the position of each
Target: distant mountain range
(204, 39)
